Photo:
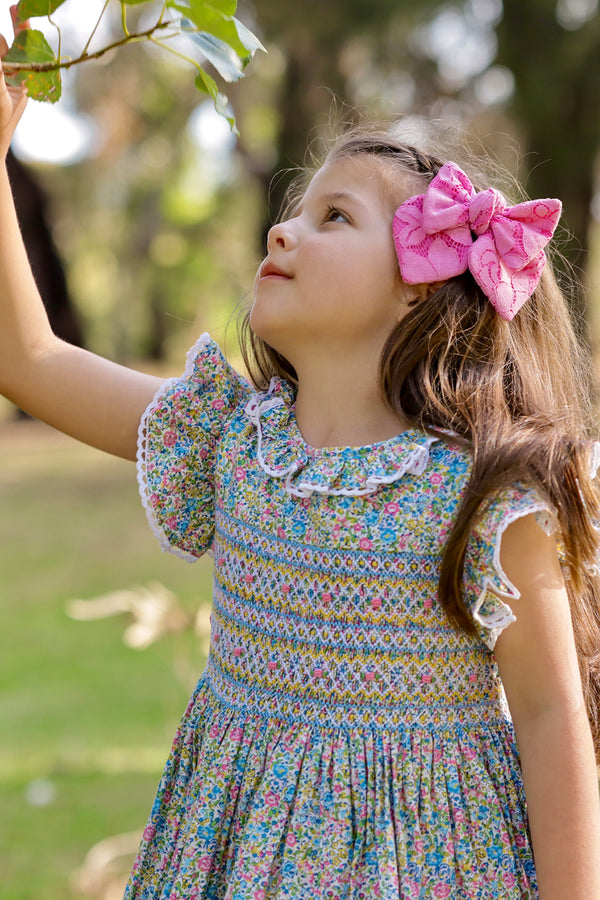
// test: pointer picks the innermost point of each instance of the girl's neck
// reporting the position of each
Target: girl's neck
(344, 410)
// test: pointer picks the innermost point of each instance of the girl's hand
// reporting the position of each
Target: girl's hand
(13, 98)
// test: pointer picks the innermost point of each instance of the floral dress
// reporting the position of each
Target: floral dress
(344, 741)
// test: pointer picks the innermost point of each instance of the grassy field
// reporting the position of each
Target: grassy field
(86, 721)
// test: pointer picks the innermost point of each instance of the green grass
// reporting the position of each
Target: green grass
(78, 708)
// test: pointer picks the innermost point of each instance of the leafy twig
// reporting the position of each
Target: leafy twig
(124, 19)
(57, 64)
(52, 22)
(175, 52)
(84, 52)
(163, 11)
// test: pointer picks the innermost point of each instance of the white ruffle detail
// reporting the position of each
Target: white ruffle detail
(340, 471)
(498, 615)
(141, 462)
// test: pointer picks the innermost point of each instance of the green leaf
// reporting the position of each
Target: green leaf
(248, 38)
(219, 54)
(28, 9)
(225, 28)
(30, 47)
(208, 85)
(227, 7)
(199, 7)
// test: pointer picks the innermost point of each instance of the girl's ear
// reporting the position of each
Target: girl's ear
(416, 293)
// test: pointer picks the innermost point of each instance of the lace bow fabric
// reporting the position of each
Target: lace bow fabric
(451, 229)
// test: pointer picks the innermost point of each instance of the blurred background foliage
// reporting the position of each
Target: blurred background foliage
(157, 213)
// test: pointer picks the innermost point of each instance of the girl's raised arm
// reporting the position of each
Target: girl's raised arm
(77, 392)
(538, 664)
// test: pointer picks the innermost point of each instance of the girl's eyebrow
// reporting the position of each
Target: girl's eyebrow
(331, 197)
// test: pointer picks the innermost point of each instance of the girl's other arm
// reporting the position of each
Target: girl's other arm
(84, 395)
(538, 664)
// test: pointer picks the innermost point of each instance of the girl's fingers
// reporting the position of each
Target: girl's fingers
(3, 46)
(18, 25)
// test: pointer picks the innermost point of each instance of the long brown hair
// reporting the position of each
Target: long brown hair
(516, 393)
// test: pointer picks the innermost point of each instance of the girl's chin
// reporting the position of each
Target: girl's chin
(269, 328)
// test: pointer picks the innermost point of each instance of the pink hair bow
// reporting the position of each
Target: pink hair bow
(451, 228)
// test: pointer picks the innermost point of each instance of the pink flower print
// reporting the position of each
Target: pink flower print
(281, 533)
(357, 527)
(205, 863)
(290, 840)
(236, 734)
(154, 500)
(469, 753)
(203, 453)
(169, 438)
(167, 797)
(441, 891)
(260, 894)
(365, 544)
(391, 508)
(240, 474)
(520, 840)
(271, 799)
(149, 832)
(436, 478)
(214, 731)
(219, 403)
(171, 522)
(509, 880)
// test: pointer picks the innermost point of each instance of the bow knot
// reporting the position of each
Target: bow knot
(451, 229)
(483, 208)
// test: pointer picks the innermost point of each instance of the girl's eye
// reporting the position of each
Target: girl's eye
(335, 215)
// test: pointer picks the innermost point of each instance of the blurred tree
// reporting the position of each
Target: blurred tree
(555, 58)
(48, 271)
(322, 44)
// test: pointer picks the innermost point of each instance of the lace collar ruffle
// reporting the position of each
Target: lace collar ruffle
(283, 453)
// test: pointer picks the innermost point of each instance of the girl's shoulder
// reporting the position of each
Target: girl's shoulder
(206, 393)
(207, 369)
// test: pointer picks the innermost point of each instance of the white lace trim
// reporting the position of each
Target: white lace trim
(415, 462)
(501, 615)
(142, 459)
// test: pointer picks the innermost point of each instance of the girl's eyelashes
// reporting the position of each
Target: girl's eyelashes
(334, 214)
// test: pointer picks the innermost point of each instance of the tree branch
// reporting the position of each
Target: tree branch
(56, 65)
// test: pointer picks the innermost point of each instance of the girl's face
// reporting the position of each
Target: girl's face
(330, 282)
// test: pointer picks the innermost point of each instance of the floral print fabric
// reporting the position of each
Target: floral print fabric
(343, 741)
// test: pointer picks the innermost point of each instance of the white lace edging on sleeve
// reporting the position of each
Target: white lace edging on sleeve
(142, 460)
(490, 611)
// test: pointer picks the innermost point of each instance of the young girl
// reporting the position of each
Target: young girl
(383, 506)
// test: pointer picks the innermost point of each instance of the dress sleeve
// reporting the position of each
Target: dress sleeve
(486, 588)
(177, 443)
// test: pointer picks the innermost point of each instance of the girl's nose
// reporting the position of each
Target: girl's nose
(281, 235)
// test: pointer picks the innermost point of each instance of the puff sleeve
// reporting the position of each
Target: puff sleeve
(487, 590)
(178, 438)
